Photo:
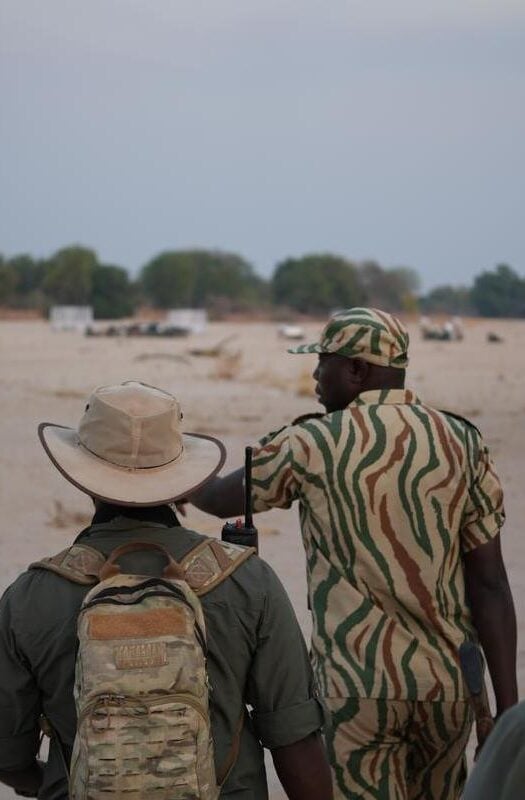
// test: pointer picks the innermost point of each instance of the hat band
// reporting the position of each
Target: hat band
(400, 361)
(126, 466)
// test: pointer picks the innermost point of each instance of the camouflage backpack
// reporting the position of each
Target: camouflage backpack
(141, 688)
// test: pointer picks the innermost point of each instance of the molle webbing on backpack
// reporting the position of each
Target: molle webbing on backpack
(141, 689)
(78, 563)
(205, 567)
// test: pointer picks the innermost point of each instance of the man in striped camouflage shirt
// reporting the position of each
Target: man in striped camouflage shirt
(400, 514)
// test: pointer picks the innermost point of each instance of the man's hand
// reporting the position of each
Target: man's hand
(484, 727)
(222, 497)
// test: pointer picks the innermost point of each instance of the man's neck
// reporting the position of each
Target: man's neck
(163, 515)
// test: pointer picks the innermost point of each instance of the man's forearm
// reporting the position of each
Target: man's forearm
(222, 497)
(490, 599)
(303, 769)
(495, 621)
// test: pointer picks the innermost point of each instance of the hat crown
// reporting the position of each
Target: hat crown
(368, 333)
(132, 425)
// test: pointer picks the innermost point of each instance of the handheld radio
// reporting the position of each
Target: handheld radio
(238, 532)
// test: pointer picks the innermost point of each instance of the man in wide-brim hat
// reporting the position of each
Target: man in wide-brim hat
(131, 456)
(401, 511)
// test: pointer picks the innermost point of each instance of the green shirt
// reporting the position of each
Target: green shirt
(391, 493)
(256, 658)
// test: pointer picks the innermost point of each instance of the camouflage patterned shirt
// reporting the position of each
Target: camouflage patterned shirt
(391, 493)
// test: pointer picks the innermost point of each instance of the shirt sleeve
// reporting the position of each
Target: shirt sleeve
(274, 483)
(280, 684)
(484, 513)
(19, 696)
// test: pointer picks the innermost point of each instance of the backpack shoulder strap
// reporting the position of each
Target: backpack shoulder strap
(205, 567)
(211, 562)
(78, 563)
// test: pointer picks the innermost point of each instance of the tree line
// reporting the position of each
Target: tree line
(224, 282)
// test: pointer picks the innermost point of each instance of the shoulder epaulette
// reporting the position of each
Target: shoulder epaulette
(306, 417)
(460, 419)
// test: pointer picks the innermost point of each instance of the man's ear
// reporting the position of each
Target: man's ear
(358, 370)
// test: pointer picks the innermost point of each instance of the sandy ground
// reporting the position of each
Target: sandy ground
(45, 376)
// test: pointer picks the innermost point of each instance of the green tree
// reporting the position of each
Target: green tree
(69, 276)
(30, 275)
(447, 300)
(390, 289)
(7, 282)
(196, 278)
(500, 293)
(316, 284)
(113, 295)
(167, 280)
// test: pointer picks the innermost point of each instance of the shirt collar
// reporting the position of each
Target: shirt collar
(165, 515)
(118, 524)
(381, 397)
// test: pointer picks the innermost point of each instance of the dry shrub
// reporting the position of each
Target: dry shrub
(68, 394)
(64, 518)
(267, 531)
(276, 381)
(270, 379)
(305, 385)
(162, 357)
(214, 351)
(249, 417)
(228, 366)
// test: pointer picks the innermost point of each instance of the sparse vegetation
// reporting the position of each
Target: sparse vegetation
(227, 366)
(305, 386)
(62, 517)
(225, 283)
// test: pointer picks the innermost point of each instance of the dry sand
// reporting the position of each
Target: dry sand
(45, 376)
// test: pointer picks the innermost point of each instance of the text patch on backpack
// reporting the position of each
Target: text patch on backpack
(139, 625)
(141, 656)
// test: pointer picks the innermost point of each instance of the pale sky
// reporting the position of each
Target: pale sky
(392, 130)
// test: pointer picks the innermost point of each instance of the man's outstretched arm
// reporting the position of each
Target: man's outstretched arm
(303, 769)
(494, 618)
(222, 497)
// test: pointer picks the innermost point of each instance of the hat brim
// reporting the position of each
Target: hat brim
(202, 457)
(380, 361)
(315, 347)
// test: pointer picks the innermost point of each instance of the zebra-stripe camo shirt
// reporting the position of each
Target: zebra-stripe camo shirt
(391, 493)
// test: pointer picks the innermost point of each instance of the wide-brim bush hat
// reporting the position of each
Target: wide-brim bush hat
(367, 333)
(129, 448)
